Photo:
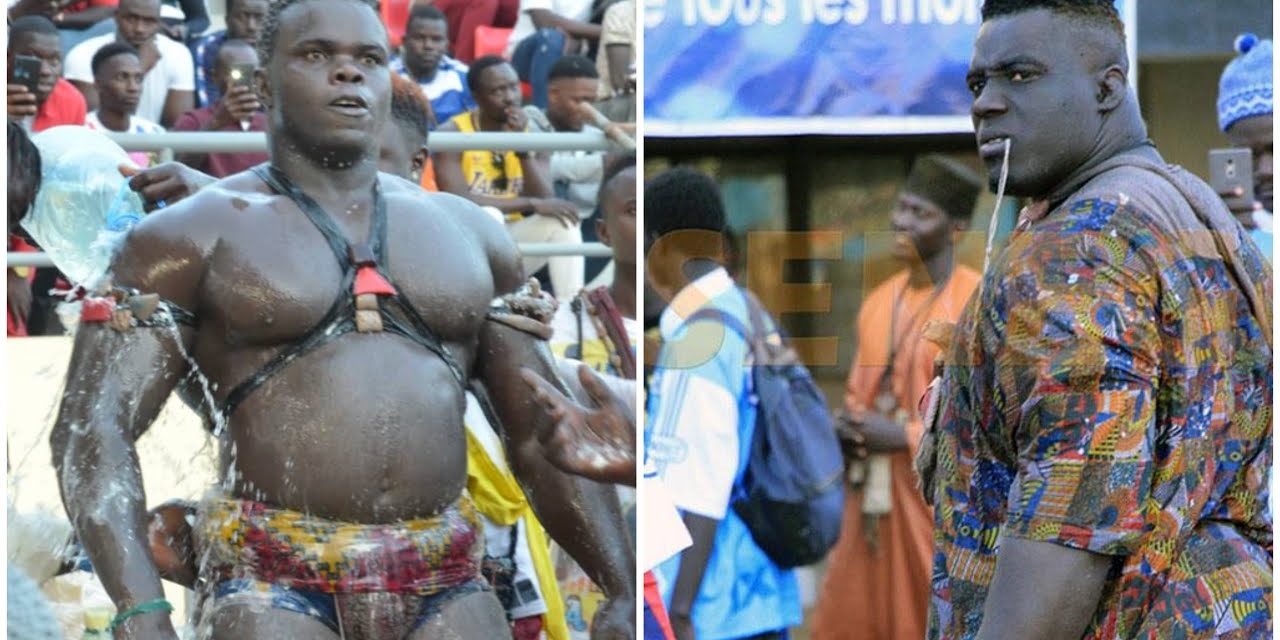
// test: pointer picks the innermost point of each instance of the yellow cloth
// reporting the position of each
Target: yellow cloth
(483, 171)
(497, 495)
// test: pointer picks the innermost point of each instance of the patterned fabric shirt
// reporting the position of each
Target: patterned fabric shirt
(1110, 390)
(204, 52)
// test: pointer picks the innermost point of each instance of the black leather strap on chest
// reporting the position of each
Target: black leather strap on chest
(340, 319)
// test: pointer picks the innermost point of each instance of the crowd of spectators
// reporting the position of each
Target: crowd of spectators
(151, 66)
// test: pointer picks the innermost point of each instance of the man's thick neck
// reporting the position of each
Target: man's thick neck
(623, 289)
(1122, 132)
(321, 181)
(114, 120)
(932, 271)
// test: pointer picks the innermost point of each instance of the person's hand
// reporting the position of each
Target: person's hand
(22, 103)
(165, 184)
(172, 549)
(853, 444)
(615, 620)
(19, 295)
(871, 431)
(562, 210)
(517, 119)
(149, 55)
(595, 443)
(239, 105)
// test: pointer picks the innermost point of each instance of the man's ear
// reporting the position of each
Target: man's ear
(602, 231)
(1113, 88)
(420, 160)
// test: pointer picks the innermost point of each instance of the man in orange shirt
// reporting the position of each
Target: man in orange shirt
(877, 585)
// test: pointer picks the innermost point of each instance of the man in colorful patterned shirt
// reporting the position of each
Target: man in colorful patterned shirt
(1104, 435)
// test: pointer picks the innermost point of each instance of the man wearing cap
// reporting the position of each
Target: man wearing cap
(1245, 105)
(877, 585)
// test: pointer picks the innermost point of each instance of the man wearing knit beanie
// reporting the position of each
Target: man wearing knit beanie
(1245, 106)
(878, 582)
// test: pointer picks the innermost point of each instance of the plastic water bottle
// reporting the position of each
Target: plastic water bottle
(124, 211)
(84, 206)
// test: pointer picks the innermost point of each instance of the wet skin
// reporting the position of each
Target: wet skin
(367, 428)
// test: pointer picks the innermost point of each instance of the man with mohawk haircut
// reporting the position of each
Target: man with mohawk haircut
(1103, 433)
(339, 315)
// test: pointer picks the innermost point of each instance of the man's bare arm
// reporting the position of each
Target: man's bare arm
(583, 516)
(619, 58)
(545, 19)
(116, 384)
(448, 166)
(1042, 590)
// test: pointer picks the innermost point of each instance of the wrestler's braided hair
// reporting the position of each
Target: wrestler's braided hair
(24, 173)
(1100, 13)
(271, 30)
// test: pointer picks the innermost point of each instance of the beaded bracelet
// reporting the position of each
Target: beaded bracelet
(159, 604)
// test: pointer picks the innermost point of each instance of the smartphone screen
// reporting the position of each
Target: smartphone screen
(26, 71)
(1231, 169)
(241, 75)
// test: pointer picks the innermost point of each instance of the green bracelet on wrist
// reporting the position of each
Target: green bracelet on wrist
(150, 606)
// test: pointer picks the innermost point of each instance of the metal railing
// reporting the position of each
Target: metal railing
(528, 250)
(256, 141)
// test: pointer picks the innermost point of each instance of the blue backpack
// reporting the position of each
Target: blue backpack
(791, 496)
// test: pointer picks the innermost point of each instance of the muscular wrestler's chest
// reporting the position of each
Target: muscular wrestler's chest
(280, 279)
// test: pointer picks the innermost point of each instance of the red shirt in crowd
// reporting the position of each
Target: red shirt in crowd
(221, 165)
(64, 105)
(77, 7)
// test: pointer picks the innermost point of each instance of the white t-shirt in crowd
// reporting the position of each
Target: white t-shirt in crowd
(174, 71)
(136, 125)
(579, 10)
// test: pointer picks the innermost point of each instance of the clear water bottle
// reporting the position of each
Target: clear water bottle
(84, 206)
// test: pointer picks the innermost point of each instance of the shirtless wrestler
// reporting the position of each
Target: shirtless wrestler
(311, 294)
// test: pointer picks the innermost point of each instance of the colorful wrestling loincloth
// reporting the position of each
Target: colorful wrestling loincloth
(244, 539)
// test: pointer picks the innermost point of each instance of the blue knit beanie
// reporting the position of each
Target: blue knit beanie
(1245, 88)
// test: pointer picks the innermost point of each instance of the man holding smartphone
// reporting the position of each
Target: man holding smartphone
(236, 110)
(1245, 105)
(36, 91)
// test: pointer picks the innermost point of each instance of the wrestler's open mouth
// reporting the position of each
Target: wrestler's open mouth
(993, 146)
(350, 105)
